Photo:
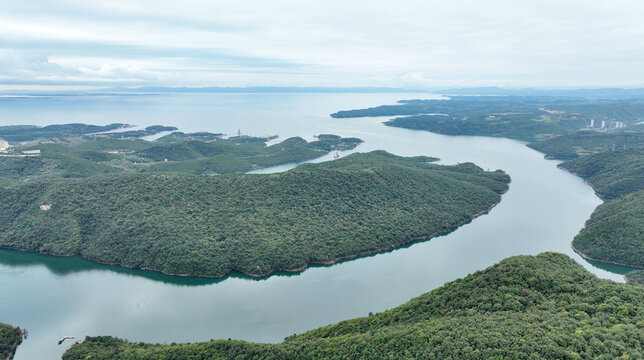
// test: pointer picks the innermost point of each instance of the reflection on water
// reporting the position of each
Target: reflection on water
(613, 268)
(65, 265)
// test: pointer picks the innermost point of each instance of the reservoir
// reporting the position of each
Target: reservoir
(52, 297)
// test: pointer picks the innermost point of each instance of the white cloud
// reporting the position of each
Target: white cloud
(126, 71)
(341, 43)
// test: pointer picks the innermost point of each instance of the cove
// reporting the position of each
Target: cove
(543, 210)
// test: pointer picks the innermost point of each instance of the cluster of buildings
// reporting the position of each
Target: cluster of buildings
(620, 125)
(6, 148)
(605, 125)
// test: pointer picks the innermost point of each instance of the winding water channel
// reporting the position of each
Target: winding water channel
(51, 297)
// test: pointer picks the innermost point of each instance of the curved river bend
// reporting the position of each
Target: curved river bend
(52, 297)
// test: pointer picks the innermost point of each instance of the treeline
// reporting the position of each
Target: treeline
(10, 338)
(525, 307)
(256, 224)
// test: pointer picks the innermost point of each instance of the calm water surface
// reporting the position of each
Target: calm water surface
(52, 297)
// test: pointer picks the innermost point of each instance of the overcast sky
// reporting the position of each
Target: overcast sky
(420, 44)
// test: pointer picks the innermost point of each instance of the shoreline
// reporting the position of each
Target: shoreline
(14, 346)
(604, 200)
(276, 270)
(580, 253)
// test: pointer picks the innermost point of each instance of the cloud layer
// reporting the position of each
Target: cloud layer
(564, 43)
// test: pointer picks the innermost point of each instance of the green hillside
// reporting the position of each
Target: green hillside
(210, 225)
(612, 173)
(615, 231)
(172, 153)
(10, 338)
(583, 143)
(525, 307)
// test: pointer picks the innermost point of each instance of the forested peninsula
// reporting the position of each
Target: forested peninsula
(571, 315)
(521, 117)
(580, 143)
(613, 164)
(256, 224)
(10, 338)
(615, 232)
(611, 173)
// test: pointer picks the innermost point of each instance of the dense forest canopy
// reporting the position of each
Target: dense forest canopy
(21, 133)
(256, 224)
(10, 338)
(525, 307)
(611, 173)
(613, 164)
(615, 231)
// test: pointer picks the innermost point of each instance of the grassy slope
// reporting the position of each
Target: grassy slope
(615, 231)
(10, 338)
(525, 307)
(210, 225)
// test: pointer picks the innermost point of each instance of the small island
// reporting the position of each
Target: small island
(571, 315)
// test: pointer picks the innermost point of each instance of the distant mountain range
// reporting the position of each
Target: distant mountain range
(607, 93)
(611, 93)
